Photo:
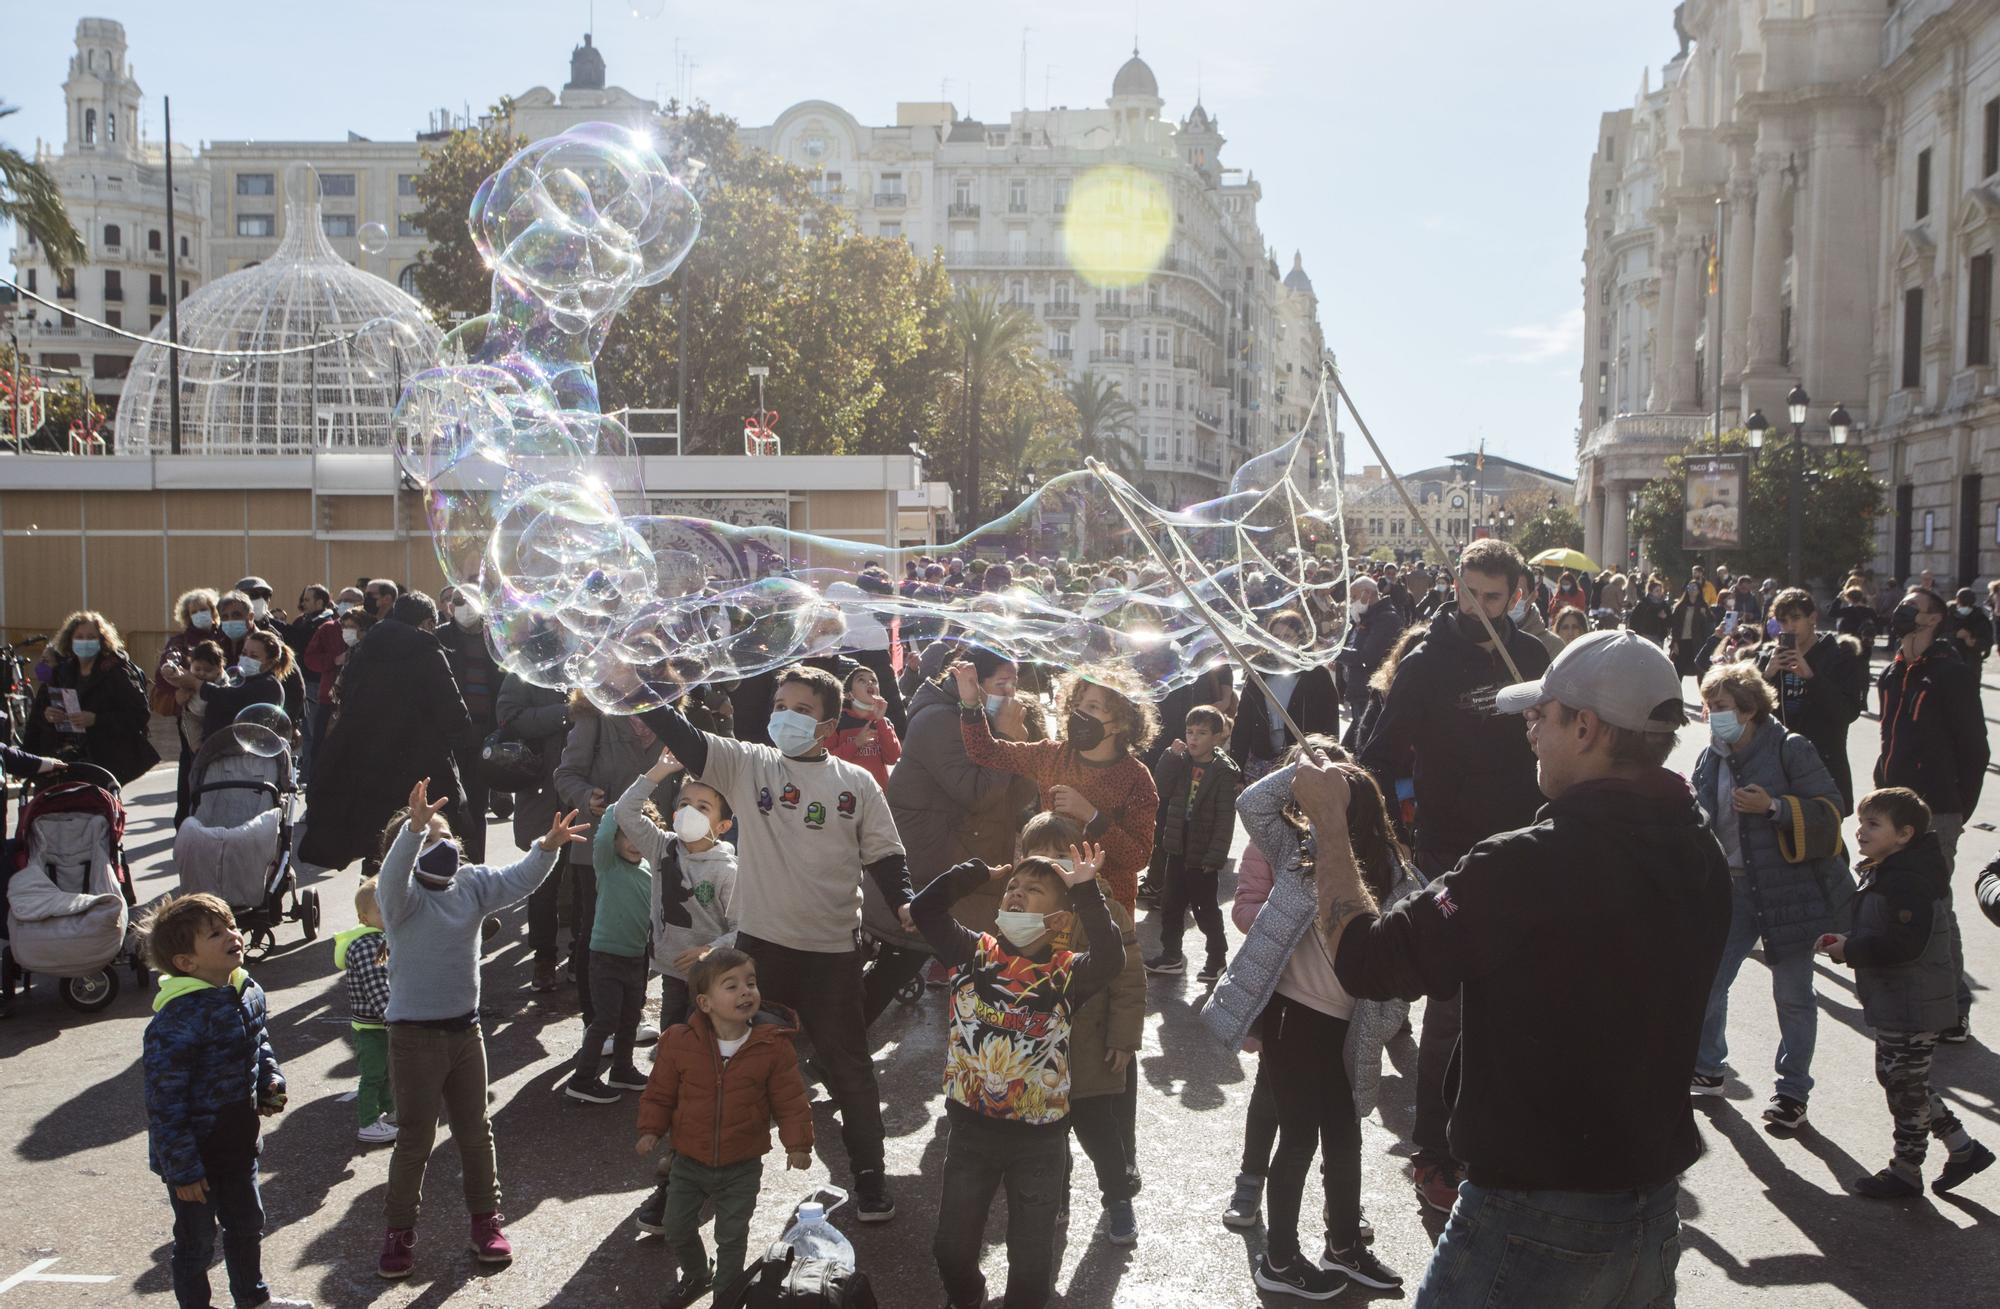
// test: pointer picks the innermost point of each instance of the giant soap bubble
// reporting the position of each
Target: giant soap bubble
(530, 493)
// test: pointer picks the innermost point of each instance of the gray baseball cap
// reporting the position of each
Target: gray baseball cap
(1620, 676)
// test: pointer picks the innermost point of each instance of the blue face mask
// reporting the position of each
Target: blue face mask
(437, 865)
(235, 628)
(86, 649)
(995, 703)
(794, 733)
(1725, 726)
(202, 619)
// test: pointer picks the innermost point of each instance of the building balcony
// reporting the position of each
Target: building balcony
(1114, 310)
(1017, 209)
(1004, 259)
(1209, 420)
(1186, 361)
(1060, 309)
(1111, 357)
(1654, 434)
(959, 211)
(891, 200)
(1064, 355)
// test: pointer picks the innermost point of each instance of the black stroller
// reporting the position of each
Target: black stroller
(237, 841)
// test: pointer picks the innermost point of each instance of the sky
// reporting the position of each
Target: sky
(1429, 159)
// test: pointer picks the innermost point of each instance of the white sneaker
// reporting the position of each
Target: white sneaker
(648, 1035)
(379, 1132)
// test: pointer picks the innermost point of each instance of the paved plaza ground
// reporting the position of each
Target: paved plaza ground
(1765, 1221)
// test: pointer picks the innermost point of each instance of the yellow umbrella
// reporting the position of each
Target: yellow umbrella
(1574, 560)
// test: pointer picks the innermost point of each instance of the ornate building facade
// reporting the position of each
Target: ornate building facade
(1845, 157)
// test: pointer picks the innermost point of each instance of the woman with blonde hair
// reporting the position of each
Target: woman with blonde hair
(195, 618)
(93, 707)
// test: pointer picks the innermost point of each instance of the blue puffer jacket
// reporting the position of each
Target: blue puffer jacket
(1793, 909)
(207, 1055)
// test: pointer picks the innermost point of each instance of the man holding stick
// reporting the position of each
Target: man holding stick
(1584, 946)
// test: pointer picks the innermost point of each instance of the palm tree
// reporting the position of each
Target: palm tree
(991, 336)
(1104, 423)
(30, 198)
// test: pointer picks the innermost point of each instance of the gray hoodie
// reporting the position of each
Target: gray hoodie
(705, 893)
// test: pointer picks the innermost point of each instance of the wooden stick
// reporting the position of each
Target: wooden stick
(1492, 632)
(1200, 607)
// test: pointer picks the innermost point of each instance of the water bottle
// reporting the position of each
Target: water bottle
(813, 1237)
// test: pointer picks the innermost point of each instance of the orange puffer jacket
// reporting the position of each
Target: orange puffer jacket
(718, 1111)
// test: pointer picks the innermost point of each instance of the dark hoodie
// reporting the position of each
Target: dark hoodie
(1474, 771)
(1933, 729)
(1585, 946)
(1900, 947)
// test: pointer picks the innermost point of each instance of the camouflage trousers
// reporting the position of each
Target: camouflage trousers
(1903, 1067)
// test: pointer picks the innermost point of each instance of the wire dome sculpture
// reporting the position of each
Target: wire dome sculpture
(370, 338)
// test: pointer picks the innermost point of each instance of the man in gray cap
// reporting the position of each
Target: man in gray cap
(1585, 946)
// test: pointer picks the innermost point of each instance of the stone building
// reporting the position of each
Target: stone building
(1854, 148)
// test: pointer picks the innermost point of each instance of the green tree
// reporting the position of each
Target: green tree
(1551, 529)
(1842, 500)
(994, 340)
(450, 274)
(1105, 423)
(30, 198)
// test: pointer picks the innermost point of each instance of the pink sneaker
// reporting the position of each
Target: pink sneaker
(489, 1243)
(399, 1252)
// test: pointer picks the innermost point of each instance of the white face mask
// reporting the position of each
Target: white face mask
(249, 667)
(349, 635)
(1519, 612)
(260, 606)
(794, 733)
(344, 607)
(691, 825)
(1020, 927)
(465, 616)
(995, 703)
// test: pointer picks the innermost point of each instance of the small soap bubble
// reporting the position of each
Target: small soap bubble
(373, 238)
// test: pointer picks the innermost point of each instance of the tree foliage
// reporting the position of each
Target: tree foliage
(1551, 529)
(31, 199)
(1106, 423)
(449, 272)
(1841, 502)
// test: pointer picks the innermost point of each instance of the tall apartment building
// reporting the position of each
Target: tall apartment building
(1855, 147)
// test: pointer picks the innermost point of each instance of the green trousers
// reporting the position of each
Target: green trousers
(732, 1188)
(373, 1098)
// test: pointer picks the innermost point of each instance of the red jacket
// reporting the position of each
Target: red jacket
(877, 755)
(718, 1111)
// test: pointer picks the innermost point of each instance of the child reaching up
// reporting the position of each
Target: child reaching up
(1900, 950)
(719, 1081)
(1007, 1061)
(363, 951)
(865, 735)
(694, 876)
(620, 929)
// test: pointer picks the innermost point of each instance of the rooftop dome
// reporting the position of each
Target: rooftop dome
(1297, 279)
(1135, 79)
(338, 397)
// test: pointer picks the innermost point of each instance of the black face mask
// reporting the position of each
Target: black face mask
(1903, 622)
(1084, 732)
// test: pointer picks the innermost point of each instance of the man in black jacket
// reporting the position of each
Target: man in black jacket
(1373, 624)
(1934, 737)
(1821, 680)
(1583, 996)
(1473, 775)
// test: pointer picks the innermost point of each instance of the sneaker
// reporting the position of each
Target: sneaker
(1122, 1224)
(1437, 1186)
(647, 1035)
(1245, 1203)
(690, 1288)
(1976, 1159)
(489, 1243)
(1887, 1185)
(1958, 1035)
(652, 1215)
(1211, 971)
(1149, 891)
(545, 977)
(1361, 1265)
(872, 1203)
(593, 1091)
(628, 1077)
(1704, 1084)
(1297, 1278)
(1785, 1114)
(379, 1132)
(399, 1252)
(1166, 963)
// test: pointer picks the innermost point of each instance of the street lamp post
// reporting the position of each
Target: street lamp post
(1838, 424)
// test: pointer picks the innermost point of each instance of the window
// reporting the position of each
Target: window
(889, 189)
(256, 225)
(1017, 245)
(256, 184)
(1923, 184)
(1017, 292)
(337, 224)
(1979, 311)
(1990, 155)
(1913, 337)
(113, 236)
(1610, 148)
(1784, 338)
(336, 184)
(152, 321)
(1603, 377)
(406, 184)
(1062, 194)
(156, 289)
(66, 288)
(1017, 195)
(1112, 344)
(892, 229)
(961, 193)
(153, 239)
(1062, 341)
(115, 317)
(31, 279)
(1062, 293)
(406, 225)
(90, 127)
(114, 284)
(111, 126)
(184, 288)
(407, 279)
(184, 247)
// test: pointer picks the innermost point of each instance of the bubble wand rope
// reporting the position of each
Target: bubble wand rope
(1492, 633)
(1200, 606)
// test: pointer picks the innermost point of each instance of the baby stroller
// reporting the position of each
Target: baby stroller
(237, 841)
(69, 901)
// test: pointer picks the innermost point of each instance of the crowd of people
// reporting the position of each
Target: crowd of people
(789, 851)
